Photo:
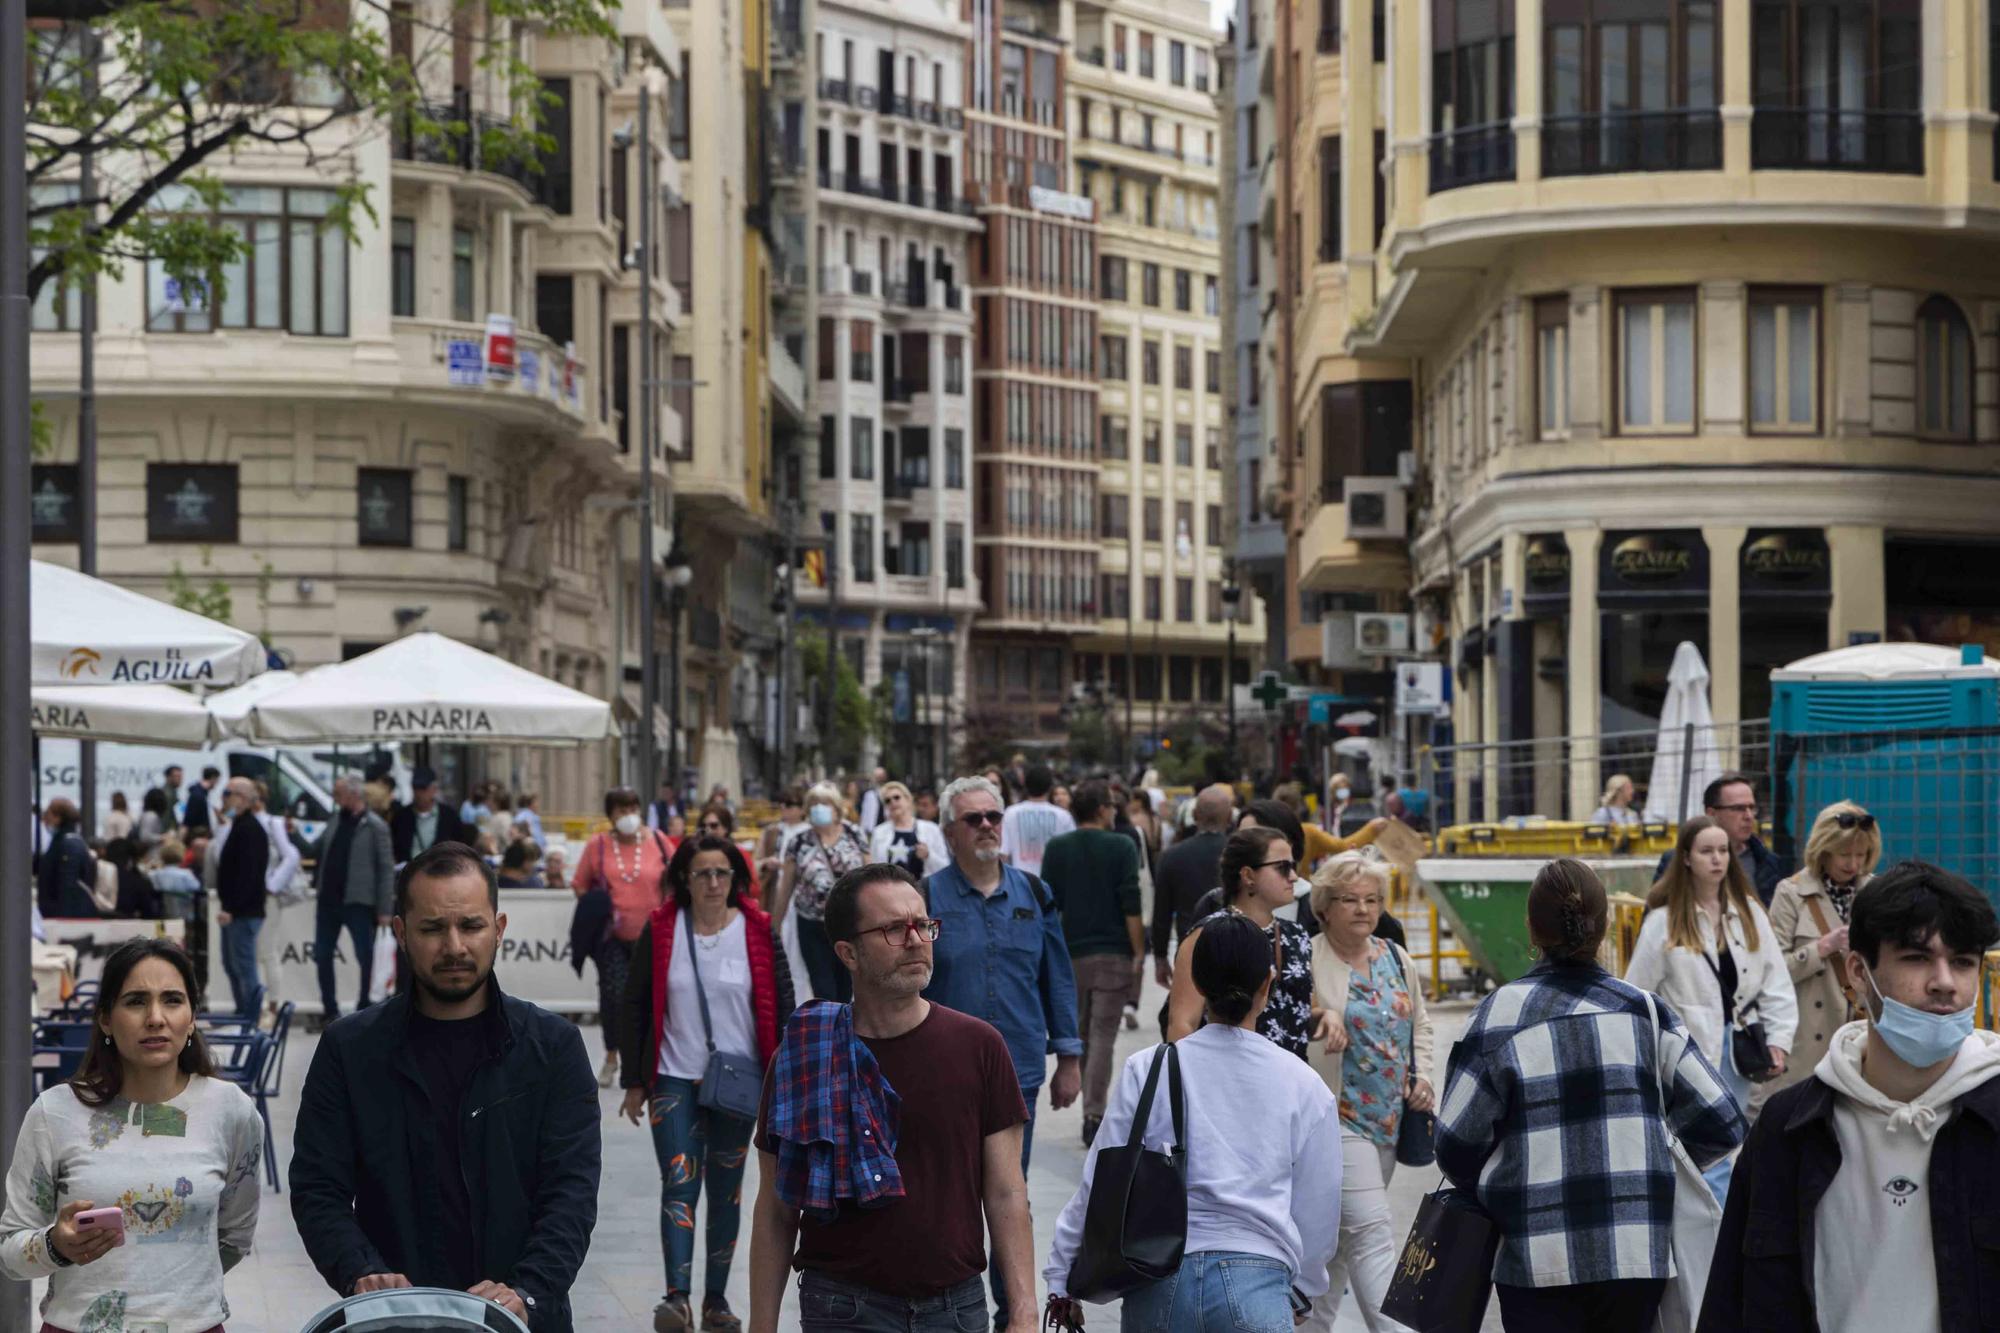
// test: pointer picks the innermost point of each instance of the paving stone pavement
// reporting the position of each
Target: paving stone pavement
(277, 1290)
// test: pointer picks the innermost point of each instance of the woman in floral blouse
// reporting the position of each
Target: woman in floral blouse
(145, 1127)
(1256, 871)
(1372, 1045)
(827, 849)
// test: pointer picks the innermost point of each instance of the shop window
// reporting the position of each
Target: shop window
(1944, 371)
(382, 499)
(191, 502)
(1784, 361)
(1552, 367)
(1656, 363)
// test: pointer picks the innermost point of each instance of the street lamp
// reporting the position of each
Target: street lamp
(1231, 596)
(676, 575)
(924, 634)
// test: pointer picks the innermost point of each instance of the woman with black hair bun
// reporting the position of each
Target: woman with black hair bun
(1263, 1171)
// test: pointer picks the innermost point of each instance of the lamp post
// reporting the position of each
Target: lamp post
(676, 576)
(924, 634)
(1232, 595)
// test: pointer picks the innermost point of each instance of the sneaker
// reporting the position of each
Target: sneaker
(607, 1073)
(1090, 1124)
(1131, 1018)
(671, 1315)
(715, 1317)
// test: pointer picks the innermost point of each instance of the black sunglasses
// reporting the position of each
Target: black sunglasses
(978, 817)
(1863, 822)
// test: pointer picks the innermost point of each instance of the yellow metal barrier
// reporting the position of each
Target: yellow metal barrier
(1987, 1014)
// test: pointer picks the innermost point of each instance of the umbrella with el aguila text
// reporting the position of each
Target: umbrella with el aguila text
(87, 632)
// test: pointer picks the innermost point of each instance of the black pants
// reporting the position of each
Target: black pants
(329, 919)
(829, 976)
(613, 957)
(1587, 1307)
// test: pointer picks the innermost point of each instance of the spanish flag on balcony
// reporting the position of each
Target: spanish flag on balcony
(816, 568)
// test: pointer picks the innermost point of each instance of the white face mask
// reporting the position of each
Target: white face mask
(627, 825)
(821, 815)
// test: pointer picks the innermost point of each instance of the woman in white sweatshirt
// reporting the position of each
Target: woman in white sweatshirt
(1707, 948)
(1263, 1170)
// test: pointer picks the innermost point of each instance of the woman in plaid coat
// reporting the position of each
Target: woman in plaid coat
(1554, 1120)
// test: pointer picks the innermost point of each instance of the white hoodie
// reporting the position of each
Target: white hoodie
(1872, 1229)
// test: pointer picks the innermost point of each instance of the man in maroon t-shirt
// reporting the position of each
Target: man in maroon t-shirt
(913, 1263)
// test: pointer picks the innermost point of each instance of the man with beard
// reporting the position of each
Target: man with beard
(898, 1240)
(449, 1136)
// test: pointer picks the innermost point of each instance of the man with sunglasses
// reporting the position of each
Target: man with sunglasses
(898, 1241)
(1731, 801)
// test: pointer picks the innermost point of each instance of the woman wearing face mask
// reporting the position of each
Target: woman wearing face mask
(627, 863)
(1707, 948)
(828, 849)
(1809, 915)
(145, 1127)
(1256, 869)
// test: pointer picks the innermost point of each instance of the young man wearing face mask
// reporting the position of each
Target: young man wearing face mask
(1864, 1198)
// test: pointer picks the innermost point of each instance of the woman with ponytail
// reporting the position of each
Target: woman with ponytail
(1551, 1121)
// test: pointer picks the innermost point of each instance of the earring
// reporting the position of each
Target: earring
(107, 1039)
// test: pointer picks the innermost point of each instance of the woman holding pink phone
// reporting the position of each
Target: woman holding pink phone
(134, 1186)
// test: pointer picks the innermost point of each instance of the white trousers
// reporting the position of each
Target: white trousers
(1366, 1254)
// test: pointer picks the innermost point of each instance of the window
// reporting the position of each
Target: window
(1784, 360)
(552, 181)
(1472, 91)
(861, 351)
(1212, 372)
(1150, 443)
(1183, 366)
(1944, 371)
(382, 506)
(1111, 356)
(1837, 86)
(861, 448)
(1177, 64)
(191, 502)
(954, 363)
(1631, 86)
(1183, 611)
(1201, 69)
(1183, 290)
(462, 297)
(1118, 46)
(1111, 435)
(1213, 516)
(1329, 199)
(954, 458)
(954, 555)
(457, 513)
(1552, 367)
(914, 555)
(1183, 444)
(1656, 363)
(1149, 362)
(1115, 602)
(1145, 55)
(1111, 277)
(1114, 516)
(1150, 518)
(621, 383)
(1329, 28)
(1214, 449)
(292, 275)
(1152, 595)
(829, 449)
(555, 307)
(1363, 427)
(1210, 296)
(1149, 284)
(55, 507)
(403, 267)
(861, 547)
(1183, 522)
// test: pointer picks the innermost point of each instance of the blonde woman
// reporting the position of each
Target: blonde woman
(1373, 1049)
(1615, 806)
(900, 838)
(1809, 917)
(1707, 948)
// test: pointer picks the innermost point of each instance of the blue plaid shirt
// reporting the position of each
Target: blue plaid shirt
(832, 1114)
(1551, 1119)
(1002, 958)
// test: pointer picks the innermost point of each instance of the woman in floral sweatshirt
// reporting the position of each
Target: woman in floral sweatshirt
(146, 1127)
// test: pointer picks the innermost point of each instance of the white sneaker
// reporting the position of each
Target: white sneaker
(607, 1073)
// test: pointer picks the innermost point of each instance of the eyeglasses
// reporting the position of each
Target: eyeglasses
(898, 933)
(1749, 809)
(711, 826)
(1845, 820)
(978, 817)
(713, 874)
(1349, 904)
(1285, 867)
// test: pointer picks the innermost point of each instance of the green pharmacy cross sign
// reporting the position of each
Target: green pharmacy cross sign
(1270, 691)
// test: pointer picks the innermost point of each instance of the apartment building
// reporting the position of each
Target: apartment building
(890, 485)
(1700, 311)
(1035, 416)
(343, 433)
(1145, 151)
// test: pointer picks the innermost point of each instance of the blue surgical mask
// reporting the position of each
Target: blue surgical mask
(820, 815)
(1920, 1038)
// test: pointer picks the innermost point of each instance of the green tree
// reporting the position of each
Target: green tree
(172, 88)
(857, 716)
(212, 599)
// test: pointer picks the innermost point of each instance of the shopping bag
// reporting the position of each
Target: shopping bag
(1444, 1275)
(1135, 1227)
(382, 975)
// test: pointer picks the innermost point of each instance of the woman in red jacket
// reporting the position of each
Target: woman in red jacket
(707, 931)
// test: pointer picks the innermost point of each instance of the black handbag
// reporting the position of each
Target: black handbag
(1748, 1049)
(1417, 1131)
(730, 1083)
(1444, 1275)
(1135, 1225)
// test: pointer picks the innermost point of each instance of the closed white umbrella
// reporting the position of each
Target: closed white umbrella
(139, 714)
(1686, 704)
(429, 687)
(86, 631)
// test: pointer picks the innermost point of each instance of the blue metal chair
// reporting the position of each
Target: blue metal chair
(59, 1045)
(238, 1056)
(269, 1082)
(224, 1019)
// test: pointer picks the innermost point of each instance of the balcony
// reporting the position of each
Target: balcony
(927, 112)
(836, 90)
(1798, 139)
(787, 37)
(1472, 156)
(1597, 145)
(788, 380)
(896, 104)
(897, 391)
(901, 486)
(451, 134)
(1331, 561)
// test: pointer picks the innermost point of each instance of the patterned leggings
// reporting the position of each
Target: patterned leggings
(613, 957)
(692, 1141)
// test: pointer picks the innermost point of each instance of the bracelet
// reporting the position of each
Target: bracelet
(56, 1256)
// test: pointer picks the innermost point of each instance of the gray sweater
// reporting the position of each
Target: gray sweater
(371, 869)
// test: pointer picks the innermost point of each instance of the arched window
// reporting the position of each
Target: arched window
(1944, 370)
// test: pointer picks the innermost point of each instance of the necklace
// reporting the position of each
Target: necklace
(618, 861)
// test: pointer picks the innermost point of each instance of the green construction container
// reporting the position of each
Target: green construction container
(1485, 900)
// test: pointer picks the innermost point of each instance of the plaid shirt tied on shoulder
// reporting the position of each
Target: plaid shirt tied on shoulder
(834, 1116)
(1551, 1118)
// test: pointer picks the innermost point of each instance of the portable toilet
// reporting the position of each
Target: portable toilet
(1911, 731)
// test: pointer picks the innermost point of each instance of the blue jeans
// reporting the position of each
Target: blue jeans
(691, 1142)
(239, 961)
(1215, 1291)
(830, 1306)
(1718, 1175)
(328, 921)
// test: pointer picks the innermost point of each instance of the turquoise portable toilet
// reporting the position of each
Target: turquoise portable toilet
(1911, 731)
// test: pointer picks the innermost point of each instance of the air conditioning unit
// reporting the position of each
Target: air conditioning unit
(1337, 648)
(1377, 509)
(1381, 634)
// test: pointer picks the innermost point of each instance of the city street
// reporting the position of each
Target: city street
(276, 1290)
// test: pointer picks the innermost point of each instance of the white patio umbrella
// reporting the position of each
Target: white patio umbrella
(86, 631)
(231, 707)
(1686, 704)
(139, 714)
(428, 687)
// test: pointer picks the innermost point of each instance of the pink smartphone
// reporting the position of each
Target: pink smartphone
(93, 1219)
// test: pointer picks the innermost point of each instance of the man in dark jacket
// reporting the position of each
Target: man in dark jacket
(425, 821)
(66, 871)
(1893, 1144)
(1188, 869)
(1731, 801)
(198, 817)
(357, 885)
(454, 1130)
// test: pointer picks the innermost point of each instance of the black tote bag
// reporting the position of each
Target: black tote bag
(1135, 1226)
(1416, 1132)
(1444, 1275)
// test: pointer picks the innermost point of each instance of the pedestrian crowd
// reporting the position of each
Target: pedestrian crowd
(1780, 1117)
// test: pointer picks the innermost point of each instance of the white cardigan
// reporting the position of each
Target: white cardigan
(928, 833)
(1684, 980)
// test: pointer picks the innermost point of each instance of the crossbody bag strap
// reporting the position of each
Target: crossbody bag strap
(700, 991)
(1833, 960)
(1142, 1114)
(1659, 1050)
(1404, 971)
